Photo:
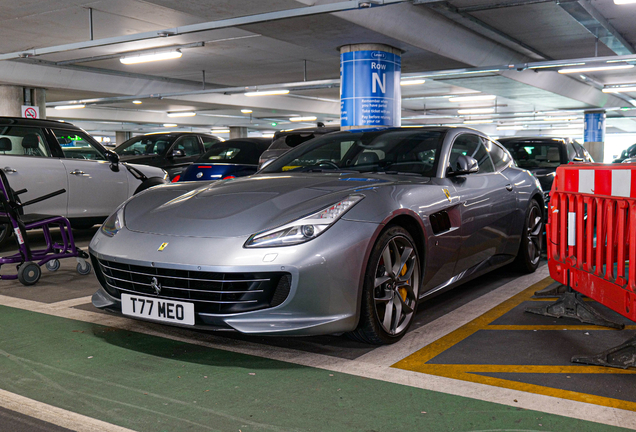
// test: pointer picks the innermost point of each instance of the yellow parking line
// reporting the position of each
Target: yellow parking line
(553, 327)
(418, 361)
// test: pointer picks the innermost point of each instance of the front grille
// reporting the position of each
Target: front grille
(215, 293)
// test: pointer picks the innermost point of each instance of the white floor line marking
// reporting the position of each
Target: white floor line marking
(54, 415)
(429, 333)
(70, 303)
(382, 372)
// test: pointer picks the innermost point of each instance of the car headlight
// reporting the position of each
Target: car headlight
(304, 229)
(114, 223)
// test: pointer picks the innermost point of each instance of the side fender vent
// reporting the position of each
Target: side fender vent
(440, 222)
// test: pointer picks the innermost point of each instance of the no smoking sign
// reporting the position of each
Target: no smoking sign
(30, 112)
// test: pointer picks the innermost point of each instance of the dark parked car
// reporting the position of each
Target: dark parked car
(229, 159)
(172, 151)
(285, 140)
(628, 153)
(541, 155)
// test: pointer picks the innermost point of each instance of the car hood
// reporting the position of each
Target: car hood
(142, 159)
(148, 171)
(545, 177)
(243, 206)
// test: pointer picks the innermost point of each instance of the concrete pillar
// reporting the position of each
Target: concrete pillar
(237, 132)
(121, 136)
(13, 97)
(594, 134)
(370, 94)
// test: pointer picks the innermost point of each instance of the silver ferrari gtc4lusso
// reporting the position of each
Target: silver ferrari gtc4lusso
(344, 233)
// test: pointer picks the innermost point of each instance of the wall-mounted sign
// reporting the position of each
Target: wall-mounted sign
(30, 112)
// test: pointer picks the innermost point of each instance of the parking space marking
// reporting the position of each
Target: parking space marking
(425, 335)
(435, 382)
(54, 415)
(418, 361)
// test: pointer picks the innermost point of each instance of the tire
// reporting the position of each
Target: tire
(83, 267)
(148, 183)
(53, 265)
(29, 273)
(389, 298)
(529, 253)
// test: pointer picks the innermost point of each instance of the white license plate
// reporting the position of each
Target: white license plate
(171, 311)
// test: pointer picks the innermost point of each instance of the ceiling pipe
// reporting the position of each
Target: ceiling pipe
(207, 26)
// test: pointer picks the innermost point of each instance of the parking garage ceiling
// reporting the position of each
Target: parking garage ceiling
(508, 48)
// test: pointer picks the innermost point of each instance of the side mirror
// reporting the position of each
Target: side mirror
(177, 153)
(464, 165)
(113, 158)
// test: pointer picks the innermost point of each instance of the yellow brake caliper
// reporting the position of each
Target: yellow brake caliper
(402, 290)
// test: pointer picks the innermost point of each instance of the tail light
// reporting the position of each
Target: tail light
(176, 178)
(228, 177)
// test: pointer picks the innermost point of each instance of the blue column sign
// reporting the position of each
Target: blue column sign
(594, 127)
(370, 89)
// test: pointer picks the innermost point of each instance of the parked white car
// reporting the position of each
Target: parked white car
(43, 156)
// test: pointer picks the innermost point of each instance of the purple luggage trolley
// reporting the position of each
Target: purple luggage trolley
(29, 261)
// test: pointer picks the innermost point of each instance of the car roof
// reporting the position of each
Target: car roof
(20, 121)
(538, 140)
(305, 131)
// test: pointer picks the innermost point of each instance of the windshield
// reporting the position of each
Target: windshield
(235, 152)
(534, 155)
(395, 151)
(145, 145)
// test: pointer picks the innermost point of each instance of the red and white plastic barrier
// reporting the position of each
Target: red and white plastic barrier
(591, 233)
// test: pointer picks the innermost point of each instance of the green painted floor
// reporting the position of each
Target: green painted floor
(149, 383)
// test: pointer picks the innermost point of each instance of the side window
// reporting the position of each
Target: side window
(189, 145)
(76, 145)
(208, 142)
(23, 141)
(499, 156)
(471, 145)
(584, 153)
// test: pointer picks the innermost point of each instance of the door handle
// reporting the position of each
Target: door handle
(10, 170)
(509, 187)
(77, 173)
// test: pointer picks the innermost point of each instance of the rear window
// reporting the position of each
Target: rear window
(235, 152)
(535, 154)
(291, 141)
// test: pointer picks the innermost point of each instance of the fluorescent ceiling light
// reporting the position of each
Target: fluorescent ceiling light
(476, 111)
(65, 107)
(170, 125)
(137, 102)
(220, 131)
(143, 58)
(559, 118)
(594, 69)
(471, 98)
(182, 114)
(300, 119)
(555, 65)
(477, 121)
(267, 93)
(407, 82)
(509, 127)
(246, 111)
(621, 2)
(619, 89)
